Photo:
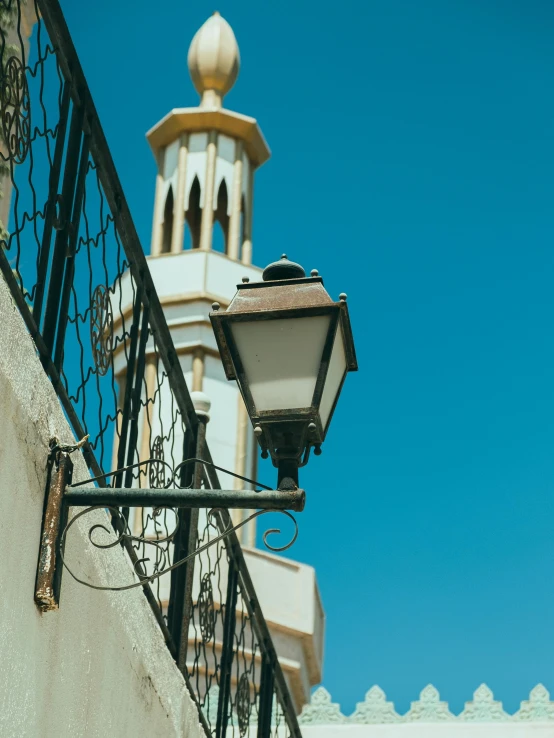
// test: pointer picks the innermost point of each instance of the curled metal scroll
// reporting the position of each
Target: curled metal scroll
(242, 703)
(206, 609)
(156, 472)
(159, 572)
(101, 329)
(15, 110)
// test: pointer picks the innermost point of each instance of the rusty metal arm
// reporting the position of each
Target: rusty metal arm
(60, 496)
(186, 498)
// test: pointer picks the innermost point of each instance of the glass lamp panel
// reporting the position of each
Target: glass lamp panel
(335, 374)
(281, 359)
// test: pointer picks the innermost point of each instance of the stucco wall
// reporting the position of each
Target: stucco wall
(97, 667)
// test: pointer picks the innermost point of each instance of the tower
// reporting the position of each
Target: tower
(202, 232)
(201, 248)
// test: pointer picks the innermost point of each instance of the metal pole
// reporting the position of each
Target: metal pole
(59, 258)
(243, 499)
(267, 682)
(180, 549)
(227, 651)
(50, 210)
(48, 582)
(287, 473)
(190, 544)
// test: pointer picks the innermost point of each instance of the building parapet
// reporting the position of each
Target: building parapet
(429, 708)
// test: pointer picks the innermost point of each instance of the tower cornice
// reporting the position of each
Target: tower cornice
(188, 120)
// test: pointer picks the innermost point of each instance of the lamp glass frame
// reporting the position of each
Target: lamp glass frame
(339, 320)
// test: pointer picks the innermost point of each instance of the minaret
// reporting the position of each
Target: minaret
(206, 158)
(202, 232)
(201, 249)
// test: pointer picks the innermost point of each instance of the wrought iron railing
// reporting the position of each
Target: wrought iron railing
(71, 257)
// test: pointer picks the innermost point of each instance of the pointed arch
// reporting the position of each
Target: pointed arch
(167, 228)
(221, 216)
(193, 216)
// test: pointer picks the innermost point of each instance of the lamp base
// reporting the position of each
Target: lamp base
(287, 474)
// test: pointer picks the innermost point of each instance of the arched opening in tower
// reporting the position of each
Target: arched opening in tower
(167, 223)
(221, 233)
(193, 217)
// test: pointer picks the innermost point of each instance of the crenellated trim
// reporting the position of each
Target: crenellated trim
(538, 707)
(483, 707)
(376, 709)
(321, 711)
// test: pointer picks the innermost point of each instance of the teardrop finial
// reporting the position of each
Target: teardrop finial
(214, 60)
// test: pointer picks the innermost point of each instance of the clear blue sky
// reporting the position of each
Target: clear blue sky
(413, 165)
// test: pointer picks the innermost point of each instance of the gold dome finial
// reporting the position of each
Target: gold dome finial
(214, 60)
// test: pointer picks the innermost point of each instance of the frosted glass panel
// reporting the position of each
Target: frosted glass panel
(281, 359)
(335, 373)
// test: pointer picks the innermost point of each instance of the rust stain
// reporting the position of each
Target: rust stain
(46, 597)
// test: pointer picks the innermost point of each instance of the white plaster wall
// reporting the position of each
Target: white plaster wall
(171, 154)
(183, 276)
(221, 430)
(297, 622)
(196, 166)
(245, 175)
(224, 167)
(98, 667)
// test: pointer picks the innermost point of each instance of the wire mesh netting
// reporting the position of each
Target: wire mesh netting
(70, 255)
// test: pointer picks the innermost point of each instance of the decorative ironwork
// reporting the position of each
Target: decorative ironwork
(206, 608)
(15, 109)
(161, 565)
(101, 329)
(78, 275)
(242, 703)
(156, 471)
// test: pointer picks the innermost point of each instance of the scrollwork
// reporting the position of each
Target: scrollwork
(242, 703)
(206, 610)
(15, 110)
(101, 329)
(156, 472)
(159, 568)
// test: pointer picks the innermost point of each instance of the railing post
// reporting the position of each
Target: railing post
(180, 605)
(70, 255)
(50, 210)
(135, 399)
(57, 268)
(267, 682)
(227, 651)
(128, 394)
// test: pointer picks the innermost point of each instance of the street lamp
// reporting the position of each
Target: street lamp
(289, 347)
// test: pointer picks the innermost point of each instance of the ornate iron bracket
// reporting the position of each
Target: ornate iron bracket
(61, 495)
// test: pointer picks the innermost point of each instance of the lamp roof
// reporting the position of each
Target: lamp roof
(283, 269)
